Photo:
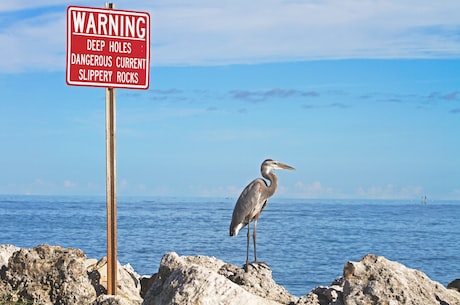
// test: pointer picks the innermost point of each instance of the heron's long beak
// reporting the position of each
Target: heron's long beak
(284, 166)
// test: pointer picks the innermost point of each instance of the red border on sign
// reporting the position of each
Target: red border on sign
(107, 48)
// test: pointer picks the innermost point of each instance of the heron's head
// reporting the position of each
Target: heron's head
(269, 165)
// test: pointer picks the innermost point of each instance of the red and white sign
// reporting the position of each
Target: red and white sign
(108, 48)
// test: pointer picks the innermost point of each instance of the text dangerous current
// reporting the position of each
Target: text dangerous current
(106, 61)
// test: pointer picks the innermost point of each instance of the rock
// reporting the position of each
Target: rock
(207, 280)
(52, 275)
(112, 300)
(146, 283)
(455, 284)
(330, 295)
(55, 275)
(325, 295)
(6, 251)
(47, 275)
(128, 281)
(258, 281)
(376, 280)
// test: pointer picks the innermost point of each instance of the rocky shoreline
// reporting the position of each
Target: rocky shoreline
(55, 275)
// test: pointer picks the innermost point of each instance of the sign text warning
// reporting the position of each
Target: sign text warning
(108, 48)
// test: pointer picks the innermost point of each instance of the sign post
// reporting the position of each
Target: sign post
(111, 187)
(108, 48)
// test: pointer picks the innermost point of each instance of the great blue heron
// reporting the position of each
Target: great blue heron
(253, 200)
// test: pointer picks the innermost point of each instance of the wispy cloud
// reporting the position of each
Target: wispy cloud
(436, 97)
(12, 5)
(313, 190)
(330, 105)
(275, 93)
(261, 31)
(169, 95)
(449, 96)
(317, 189)
(390, 191)
(453, 96)
(418, 100)
(69, 184)
(176, 95)
(206, 32)
(310, 99)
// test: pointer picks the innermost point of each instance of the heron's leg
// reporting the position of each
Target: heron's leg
(247, 246)
(254, 238)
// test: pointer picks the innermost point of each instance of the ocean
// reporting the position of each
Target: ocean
(305, 242)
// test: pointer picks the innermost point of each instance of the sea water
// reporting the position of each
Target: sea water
(305, 242)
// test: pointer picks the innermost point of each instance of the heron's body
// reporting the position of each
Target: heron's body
(253, 200)
(250, 204)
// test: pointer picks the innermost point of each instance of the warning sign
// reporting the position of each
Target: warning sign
(108, 48)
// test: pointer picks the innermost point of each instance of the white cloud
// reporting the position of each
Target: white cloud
(36, 43)
(69, 184)
(317, 190)
(390, 191)
(219, 191)
(205, 32)
(257, 31)
(453, 195)
(314, 190)
(14, 5)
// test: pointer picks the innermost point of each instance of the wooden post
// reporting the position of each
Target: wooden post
(111, 186)
(111, 193)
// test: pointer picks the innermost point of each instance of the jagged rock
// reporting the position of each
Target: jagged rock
(112, 300)
(55, 275)
(325, 295)
(5, 253)
(258, 281)
(47, 275)
(330, 295)
(202, 280)
(376, 280)
(455, 284)
(128, 281)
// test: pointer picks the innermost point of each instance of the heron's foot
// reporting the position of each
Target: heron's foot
(255, 265)
(260, 265)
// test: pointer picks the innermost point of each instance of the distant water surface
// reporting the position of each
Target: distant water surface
(305, 242)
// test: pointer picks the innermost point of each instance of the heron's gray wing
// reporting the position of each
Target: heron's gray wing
(246, 203)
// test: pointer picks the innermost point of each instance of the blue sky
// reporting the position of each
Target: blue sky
(361, 97)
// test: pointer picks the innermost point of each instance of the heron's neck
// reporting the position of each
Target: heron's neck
(273, 182)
